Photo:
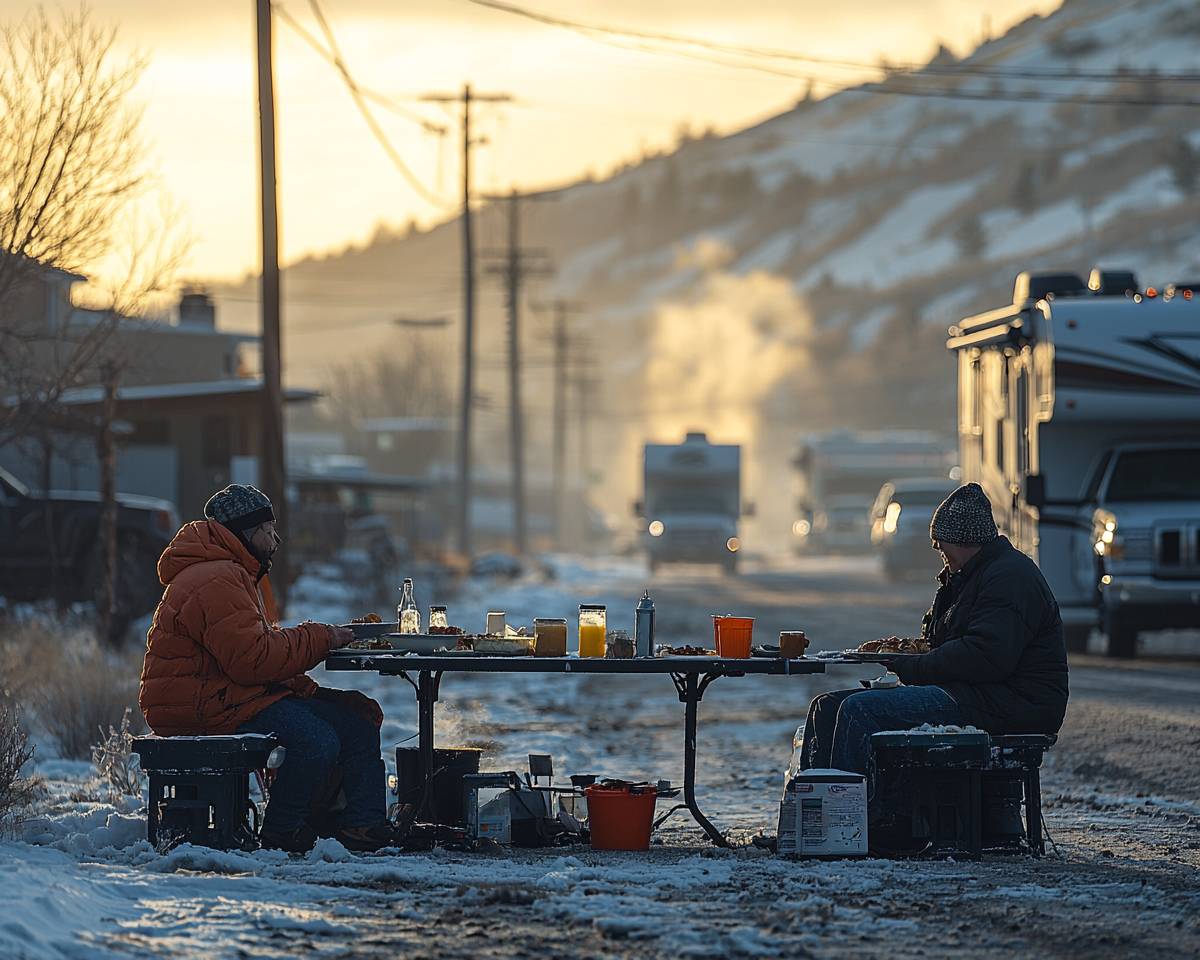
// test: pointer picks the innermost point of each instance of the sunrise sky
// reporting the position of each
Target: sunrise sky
(580, 106)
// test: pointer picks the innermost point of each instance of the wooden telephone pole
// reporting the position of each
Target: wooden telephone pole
(517, 264)
(273, 478)
(466, 98)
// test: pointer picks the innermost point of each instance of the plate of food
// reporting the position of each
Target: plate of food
(684, 651)
(368, 627)
(367, 643)
(503, 646)
(876, 650)
(422, 643)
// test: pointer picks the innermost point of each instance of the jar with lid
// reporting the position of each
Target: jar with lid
(437, 616)
(592, 622)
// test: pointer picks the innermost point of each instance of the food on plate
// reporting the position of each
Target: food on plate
(894, 645)
(446, 631)
(378, 643)
(685, 651)
(369, 618)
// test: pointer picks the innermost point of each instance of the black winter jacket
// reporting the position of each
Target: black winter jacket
(997, 643)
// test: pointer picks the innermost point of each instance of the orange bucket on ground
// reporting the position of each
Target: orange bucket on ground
(619, 819)
(733, 636)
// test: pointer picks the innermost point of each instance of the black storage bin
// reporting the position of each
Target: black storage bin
(449, 768)
(200, 788)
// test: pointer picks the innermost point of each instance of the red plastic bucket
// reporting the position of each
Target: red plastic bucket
(733, 635)
(620, 820)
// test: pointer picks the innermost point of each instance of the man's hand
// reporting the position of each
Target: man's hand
(360, 703)
(339, 636)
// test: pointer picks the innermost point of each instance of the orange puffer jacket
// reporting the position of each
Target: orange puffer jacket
(212, 658)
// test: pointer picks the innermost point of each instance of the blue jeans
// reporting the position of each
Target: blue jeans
(838, 730)
(318, 736)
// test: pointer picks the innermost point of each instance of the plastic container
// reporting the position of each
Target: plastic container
(592, 619)
(619, 819)
(732, 636)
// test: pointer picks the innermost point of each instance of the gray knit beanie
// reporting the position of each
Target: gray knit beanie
(239, 507)
(965, 517)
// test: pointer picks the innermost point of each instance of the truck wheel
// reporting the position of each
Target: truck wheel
(1076, 636)
(1122, 638)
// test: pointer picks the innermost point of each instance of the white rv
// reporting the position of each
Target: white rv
(1079, 414)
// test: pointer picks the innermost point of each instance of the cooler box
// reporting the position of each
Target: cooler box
(823, 813)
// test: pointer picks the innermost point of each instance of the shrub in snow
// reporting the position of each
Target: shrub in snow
(79, 688)
(116, 762)
(17, 793)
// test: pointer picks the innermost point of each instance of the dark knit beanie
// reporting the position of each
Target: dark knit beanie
(965, 517)
(239, 507)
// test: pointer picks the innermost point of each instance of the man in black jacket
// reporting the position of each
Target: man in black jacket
(998, 660)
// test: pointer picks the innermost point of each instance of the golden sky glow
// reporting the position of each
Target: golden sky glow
(581, 106)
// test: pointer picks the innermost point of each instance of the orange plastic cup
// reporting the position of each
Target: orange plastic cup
(733, 635)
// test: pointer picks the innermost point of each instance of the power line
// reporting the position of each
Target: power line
(388, 103)
(602, 33)
(357, 95)
(590, 29)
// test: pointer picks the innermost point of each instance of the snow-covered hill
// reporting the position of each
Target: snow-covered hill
(801, 273)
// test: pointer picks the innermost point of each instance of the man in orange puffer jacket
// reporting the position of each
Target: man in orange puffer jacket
(217, 662)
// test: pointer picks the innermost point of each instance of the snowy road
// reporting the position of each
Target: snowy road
(1121, 790)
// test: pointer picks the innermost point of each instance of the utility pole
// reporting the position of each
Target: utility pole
(517, 264)
(273, 478)
(466, 98)
(561, 337)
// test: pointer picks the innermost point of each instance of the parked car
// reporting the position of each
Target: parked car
(842, 525)
(33, 542)
(900, 522)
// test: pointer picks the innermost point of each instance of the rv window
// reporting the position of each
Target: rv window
(687, 501)
(1155, 475)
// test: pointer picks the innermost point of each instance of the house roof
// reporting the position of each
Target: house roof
(176, 391)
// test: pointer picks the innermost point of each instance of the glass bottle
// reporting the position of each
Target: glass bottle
(408, 617)
(592, 622)
(437, 617)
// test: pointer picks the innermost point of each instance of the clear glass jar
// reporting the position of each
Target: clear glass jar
(592, 622)
(550, 637)
(437, 617)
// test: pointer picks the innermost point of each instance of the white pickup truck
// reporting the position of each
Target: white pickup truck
(1079, 414)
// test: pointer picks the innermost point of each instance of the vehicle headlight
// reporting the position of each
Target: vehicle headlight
(891, 517)
(656, 528)
(733, 544)
(1104, 534)
(801, 528)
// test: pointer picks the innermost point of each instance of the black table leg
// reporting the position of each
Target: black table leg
(427, 686)
(691, 689)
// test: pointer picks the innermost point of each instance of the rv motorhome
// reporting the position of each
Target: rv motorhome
(1079, 414)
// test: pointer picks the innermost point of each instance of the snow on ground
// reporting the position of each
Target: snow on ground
(83, 882)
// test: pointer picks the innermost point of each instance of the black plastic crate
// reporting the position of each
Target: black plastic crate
(236, 753)
(200, 788)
